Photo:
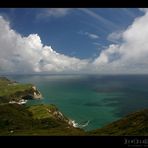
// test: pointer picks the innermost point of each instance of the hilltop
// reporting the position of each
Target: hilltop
(134, 124)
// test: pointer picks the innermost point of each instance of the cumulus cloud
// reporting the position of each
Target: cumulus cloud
(115, 36)
(129, 56)
(28, 54)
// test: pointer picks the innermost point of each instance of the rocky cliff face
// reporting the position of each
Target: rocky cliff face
(13, 91)
(49, 111)
(36, 93)
(31, 93)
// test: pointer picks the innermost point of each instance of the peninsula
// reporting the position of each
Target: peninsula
(18, 119)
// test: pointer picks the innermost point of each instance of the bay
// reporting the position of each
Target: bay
(92, 101)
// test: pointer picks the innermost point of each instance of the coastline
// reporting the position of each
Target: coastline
(19, 118)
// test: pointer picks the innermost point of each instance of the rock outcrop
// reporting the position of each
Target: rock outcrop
(36, 93)
(12, 91)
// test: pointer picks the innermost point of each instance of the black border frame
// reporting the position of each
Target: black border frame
(72, 141)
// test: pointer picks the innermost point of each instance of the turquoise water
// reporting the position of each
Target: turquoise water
(98, 100)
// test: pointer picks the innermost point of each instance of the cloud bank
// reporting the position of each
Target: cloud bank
(27, 54)
(131, 55)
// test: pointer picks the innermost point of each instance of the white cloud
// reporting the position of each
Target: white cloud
(90, 35)
(97, 44)
(28, 54)
(54, 12)
(115, 36)
(130, 56)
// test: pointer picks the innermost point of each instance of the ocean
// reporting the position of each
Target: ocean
(92, 101)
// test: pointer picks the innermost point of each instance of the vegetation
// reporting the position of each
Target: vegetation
(20, 120)
(11, 90)
(42, 111)
(16, 119)
(134, 124)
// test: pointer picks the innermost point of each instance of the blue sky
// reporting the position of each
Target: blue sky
(67, 33)
(85, 34)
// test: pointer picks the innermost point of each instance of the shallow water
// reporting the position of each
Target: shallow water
(91, 100)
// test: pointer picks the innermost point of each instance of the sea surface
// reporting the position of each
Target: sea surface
(92, 101)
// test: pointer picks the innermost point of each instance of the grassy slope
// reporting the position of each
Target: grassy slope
(10, 89)
(35, 120)
(41, 111)
(20, 120)
(134, 124)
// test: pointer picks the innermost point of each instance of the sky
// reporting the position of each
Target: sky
(74, 40)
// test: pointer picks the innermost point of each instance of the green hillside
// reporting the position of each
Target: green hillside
(35, 120)
(16, 119)
(134, 124)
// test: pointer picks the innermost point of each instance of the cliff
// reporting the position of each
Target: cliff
(18, 119)
(11, 91)
(40, 120)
